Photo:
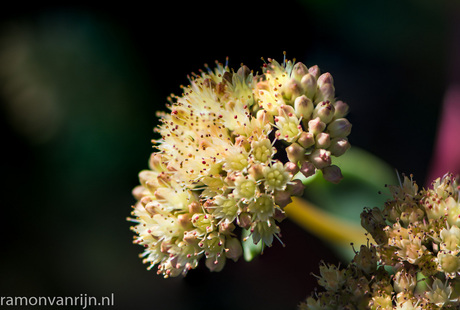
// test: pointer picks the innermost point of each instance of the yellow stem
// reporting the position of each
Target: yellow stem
(324, 224)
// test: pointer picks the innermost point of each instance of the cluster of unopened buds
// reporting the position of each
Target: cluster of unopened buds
(415, 263)
(232, 152)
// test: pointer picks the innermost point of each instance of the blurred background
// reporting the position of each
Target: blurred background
(79, 88)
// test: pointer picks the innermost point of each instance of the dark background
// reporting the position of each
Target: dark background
(79, 88)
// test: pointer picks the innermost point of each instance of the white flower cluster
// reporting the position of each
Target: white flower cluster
(418, 237)
(229, 153)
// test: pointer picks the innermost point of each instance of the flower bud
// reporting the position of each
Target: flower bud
(308, 83)
(341, 109)
(138, 192)
(307, 169)
(291, 167)
(156, 162)
(314, 71)
(339, 146)
(226, 227)
(320, 158)
(286, 110)
(282, 198)
(295, 153)
(303, 107)
(316, 126)
(326, 90)
(339, 128)
(296, 188)
(325, 78)
(298, 71)
(323, 140)
(194, 207)
(332, 174)
(256, 171)
(324, 110)
(306, 139)
(264, 117)
(184, 220)
(233, 249)
(244, 220)
(292, 89)
(244, 72)
(279, 215)
(325, 93)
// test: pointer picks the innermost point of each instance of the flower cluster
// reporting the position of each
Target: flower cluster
(418, 239)
(228, 157)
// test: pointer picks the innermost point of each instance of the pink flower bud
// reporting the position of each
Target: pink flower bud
(324, 110)
(296, 188)
(306, 139)
(291, 167)
(332, 174)
(339, 128)
(314, 71)
(295, 153)
(339, 146)
(323, 140)
(316, 126)
(341, 109)
(282, 198)
(320, 158)
(307, 169)
(298, 71)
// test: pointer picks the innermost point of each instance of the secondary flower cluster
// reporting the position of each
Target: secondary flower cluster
(418, 238)
(229, 153)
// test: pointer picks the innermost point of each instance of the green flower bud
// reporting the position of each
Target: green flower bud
(292, 89)
(303, 107)
(308, 83)
(298, 71)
